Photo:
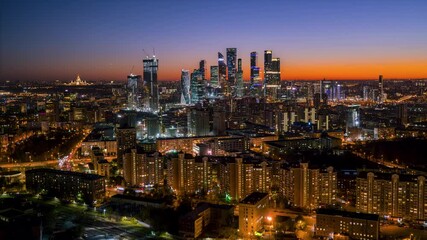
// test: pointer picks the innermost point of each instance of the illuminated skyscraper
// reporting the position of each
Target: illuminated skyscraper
(202, 68)
(239, 79)
(222, 70)
(132, 90)
(271, 75)
(254, 68)
(197, 86)
(150, 80)
(231, 65)
(381, 88)
(185, 87)
(214, 81)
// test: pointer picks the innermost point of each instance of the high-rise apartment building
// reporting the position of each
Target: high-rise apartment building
(391, 194)
(142, 168)
(126, 139)
(151, 97)
(309, 187)
(185, 87)
(180, 174)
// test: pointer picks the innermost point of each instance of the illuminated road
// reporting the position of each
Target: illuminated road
(38, 164)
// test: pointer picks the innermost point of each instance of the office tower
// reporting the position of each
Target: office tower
(309, 187)
(150, 80)
(132, 90)
(239, 79)
(251, 214)
(402, 196)
(254, 68)
(185, 87)
(202, 68)
(126, 139)
(330, 222)
(198, 122)
(214, 80)
(231, 65)
(381, 88)
(353, 116)
(142, 168)
(271, 75)
(197, 87)
(222, 71)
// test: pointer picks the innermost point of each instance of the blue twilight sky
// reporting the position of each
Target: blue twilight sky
(102, 40)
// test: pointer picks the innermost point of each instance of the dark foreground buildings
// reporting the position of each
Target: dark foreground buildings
(66, 185)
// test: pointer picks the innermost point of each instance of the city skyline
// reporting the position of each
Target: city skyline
(48, 40)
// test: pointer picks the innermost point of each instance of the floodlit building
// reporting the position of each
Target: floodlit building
(392, 195)
(309, 187)
(251, 213)
(142, 168)
(334, 223)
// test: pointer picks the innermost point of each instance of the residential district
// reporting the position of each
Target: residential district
(213, 156)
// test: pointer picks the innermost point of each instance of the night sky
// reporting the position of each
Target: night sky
(102, 40)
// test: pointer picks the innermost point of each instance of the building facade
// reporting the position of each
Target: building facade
(66, 185)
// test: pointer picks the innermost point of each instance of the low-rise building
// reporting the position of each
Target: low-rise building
(251, 213)
(66, 185)
(331, 222)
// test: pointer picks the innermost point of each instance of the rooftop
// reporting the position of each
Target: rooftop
(254, 197)
(366, 216)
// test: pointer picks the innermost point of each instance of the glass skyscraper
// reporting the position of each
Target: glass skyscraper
(222, 71)
(239, 79)
(231, 65)
(254, 68)
(197, 86)
(150, 80)
(271, 75)
(214, 81)
(185, 87)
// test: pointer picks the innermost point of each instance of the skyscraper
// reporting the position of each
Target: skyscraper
(231, 65)
(132, 90)
(150, 80)
(231, 69)
(239, 79)
(214, 80)
(197, 86)
(222, 71)
(254, 68)
(381, 88)
(271, 75)
(202, 68)
(185, 87)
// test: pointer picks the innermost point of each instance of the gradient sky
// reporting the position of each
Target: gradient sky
(102, 40)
